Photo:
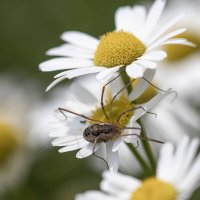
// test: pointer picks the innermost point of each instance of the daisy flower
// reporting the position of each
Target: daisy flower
(40, 116)
(85, 99)
(14, 150)
(133, 45)
(176, 178)
(182, 116)
(181, 72)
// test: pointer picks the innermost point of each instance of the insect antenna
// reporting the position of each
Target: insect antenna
(93, 153)
(102, 94)
(83, 116)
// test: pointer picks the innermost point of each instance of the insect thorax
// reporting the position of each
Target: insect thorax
(101, 132)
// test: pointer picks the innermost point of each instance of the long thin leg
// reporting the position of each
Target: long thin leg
(93, 152)
(102, 94)
(142, 138)
(174, 92)
(83, 116)
(115, 96)
(137, 145)
(153, 85)
(132, 128)
(132, 109)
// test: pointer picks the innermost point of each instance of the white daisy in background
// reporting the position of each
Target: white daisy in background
(177, 177)
(133, 44)
(84, 98)
(40, 116)
(181, 72)
(14, 150)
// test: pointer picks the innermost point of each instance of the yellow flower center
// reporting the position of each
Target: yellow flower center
(147, 95)
(8, 142)
(118, 48)
(178, 52)
(119, 106)
(154, 189)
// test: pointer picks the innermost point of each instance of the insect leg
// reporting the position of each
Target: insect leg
(102, 94)
(174, 92)
(132, 109)
(115, 96)
(141, 137)
(83, 116)
(93, 152)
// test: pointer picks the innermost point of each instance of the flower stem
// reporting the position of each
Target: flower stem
(126, 80)
(149, 152)
(141, 161)
(147, 170)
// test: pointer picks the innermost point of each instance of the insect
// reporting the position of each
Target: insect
(110, 130)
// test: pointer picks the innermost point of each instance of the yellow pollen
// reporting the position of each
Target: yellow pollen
(147, 95)
(154, 189)
(8, 142)
(118, 48)
(119, 105)
(178, 52)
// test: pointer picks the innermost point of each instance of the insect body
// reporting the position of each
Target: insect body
(103, 132)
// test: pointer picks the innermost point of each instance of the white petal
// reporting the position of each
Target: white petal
(155, 100)
(187, 161)
(82, 93)
(73, 146)
(192, 179)
(165, 160)
(80, 39)
(130, 19)
(79, 72)
(116, 85)
(64, 63)
(118, 180)
(168, 36)
(142, 84)
(178, 159)
(91, 195)
(179, 41)
(151, 104)
(107, 74)
(154, 55)
(71, 51)
(91, 84)
(153, 16)
(67, 139)
(88, 150)
(55, 83)
(134, 70)
(117, 143)
(130, 138)
(146, 63)
(166, 27)
(112, 157)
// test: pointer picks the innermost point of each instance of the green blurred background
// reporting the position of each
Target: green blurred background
(28, 29)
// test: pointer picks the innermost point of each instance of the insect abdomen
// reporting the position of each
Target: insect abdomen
(100, 133)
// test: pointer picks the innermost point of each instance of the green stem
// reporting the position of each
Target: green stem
(126, 80)
(145, 143)
(141, 161)
(149, 152)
